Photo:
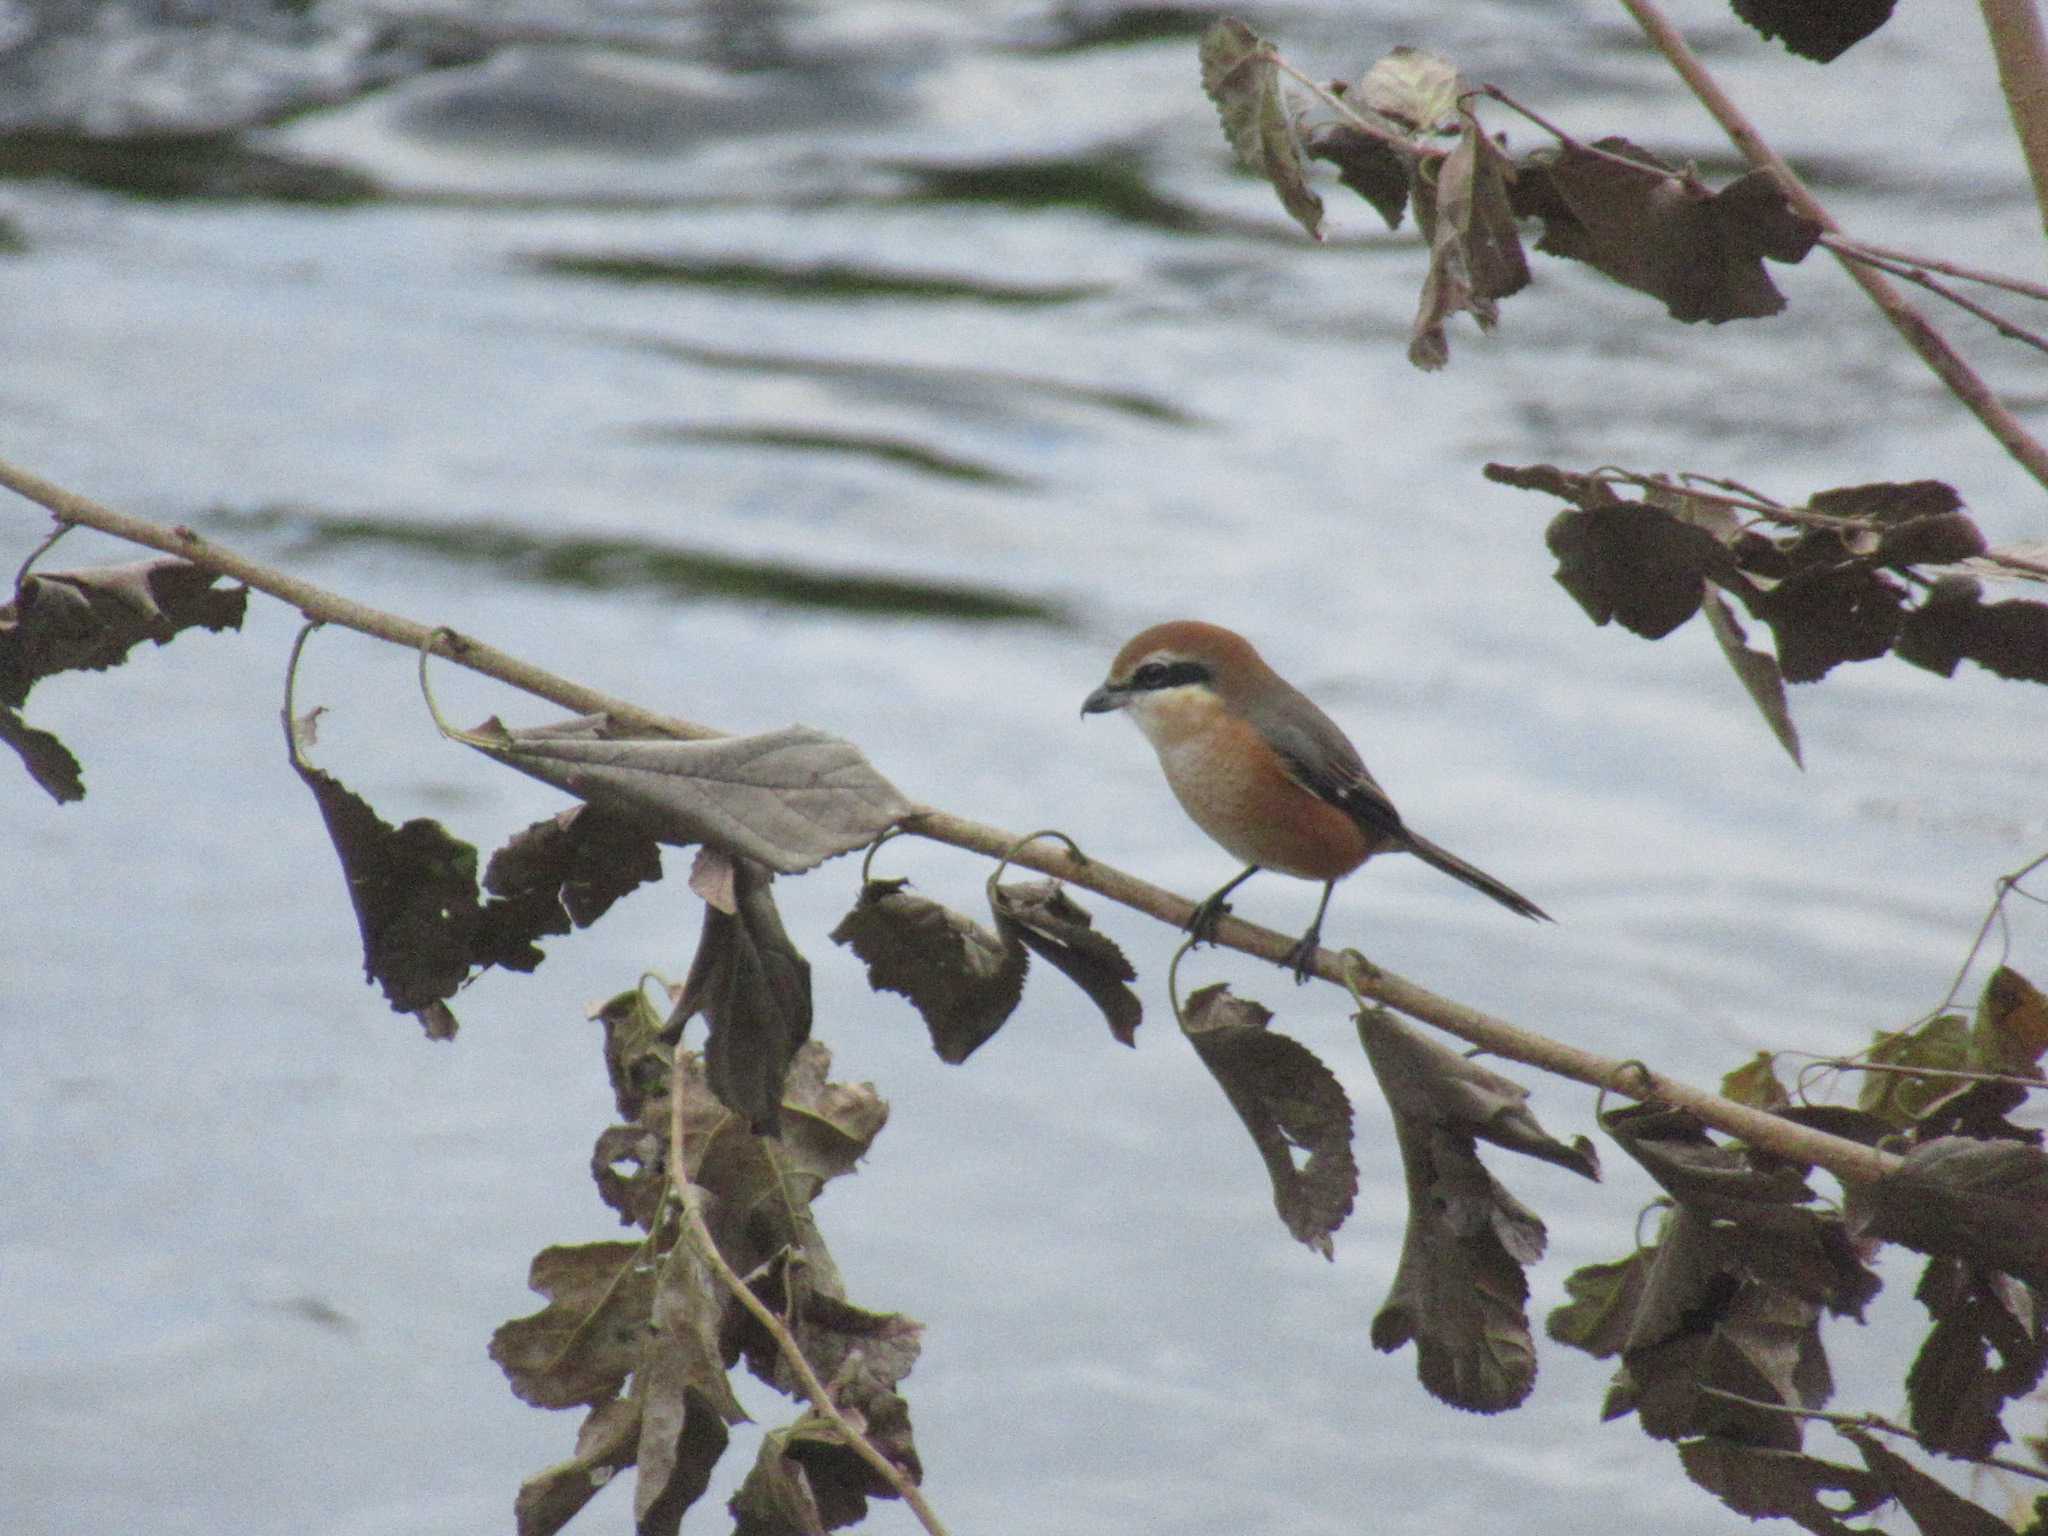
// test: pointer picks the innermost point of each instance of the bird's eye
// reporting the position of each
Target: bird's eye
(1151, 675)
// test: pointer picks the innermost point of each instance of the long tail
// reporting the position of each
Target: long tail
(1478, 879)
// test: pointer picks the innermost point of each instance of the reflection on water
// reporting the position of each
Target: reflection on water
(880, 366)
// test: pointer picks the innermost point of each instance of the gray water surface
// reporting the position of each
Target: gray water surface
(646, 343)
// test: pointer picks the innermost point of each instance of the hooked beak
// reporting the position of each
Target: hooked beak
(1104, 699)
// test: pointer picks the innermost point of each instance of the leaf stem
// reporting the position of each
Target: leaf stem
(699, 1231)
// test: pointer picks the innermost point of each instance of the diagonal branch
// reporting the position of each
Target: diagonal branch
(1847, 1160)
(1962, 380)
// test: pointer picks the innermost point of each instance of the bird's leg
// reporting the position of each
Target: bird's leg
(1202, 923)
(1304, 953)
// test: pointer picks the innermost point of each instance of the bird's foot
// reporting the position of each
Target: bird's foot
(1303, 956)
(1201, 924)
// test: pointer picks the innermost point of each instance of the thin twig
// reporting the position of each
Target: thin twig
(2012, 330)
(1850, 246)
(1873, 1421)
(1934, 350)
(699, 1233)
(1846, 1159)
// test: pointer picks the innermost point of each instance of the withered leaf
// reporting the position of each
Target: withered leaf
(1240, 76)
(754, 989)
(1637, 565)
(1368, 165)
(1942, 1044)
(827, 1127)
(1758, 1205)
(1700, 1322)
(1757, 671)
(1984, 1201)
(1956, 1394)
(606, 1444)
(581, 1346)
(761, 1189)
(806, 1482)
(1605, 1299)
(790, 798)
(2011, 1029)
(629, 1164)
(579, 862)
(1828, 614)
(1981, 1201)
(89, 620)
(635, 1056)
(48, 761)
(1892, 503)
(1620, 209)
(1756, 1084)
(1475, 251)
(414, 892)
(1042, 916)
(1783, 1484)
(962, 978)
(1459, 1289)
(1821, 30)
(1418, 89)
(1425, 1078)
(1934, 1508)
(1290, 1102)
(861, 1356)
(1953, 624)
(680, 1383)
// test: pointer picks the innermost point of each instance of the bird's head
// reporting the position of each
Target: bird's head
(1174, 671)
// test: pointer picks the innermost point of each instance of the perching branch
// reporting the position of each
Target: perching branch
(1847, 1160)
(1962, 380)
(698, 1232)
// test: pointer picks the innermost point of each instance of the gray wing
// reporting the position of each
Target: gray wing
(1320, 757)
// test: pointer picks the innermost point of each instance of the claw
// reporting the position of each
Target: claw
(1201, 924)
(1303, 956)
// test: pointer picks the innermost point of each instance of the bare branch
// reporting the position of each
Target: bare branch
(1962, 380)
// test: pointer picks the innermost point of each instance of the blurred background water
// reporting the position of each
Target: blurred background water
(883, 366)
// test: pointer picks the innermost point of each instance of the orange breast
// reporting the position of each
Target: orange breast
(1238, 791)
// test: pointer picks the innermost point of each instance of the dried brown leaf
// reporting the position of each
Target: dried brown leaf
(1637, 565)
(1290, 1102)
(1953, 624)
(1934, 1508)
(2011, 1029)
(1368, 165)
(789, 799)
(605, 1445)
(1783, 1484)
(1459, 1291)
(680, 1383)
(1821, 30)
(1042, 916)
(89, 620)
(753, 987)
(48, 761)
(581, 1346)
(572, 866)
(1757, 671)
(1475, 251)
(1240, 75)
(1620, 209)
(1983, 1201)
(963, 979)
